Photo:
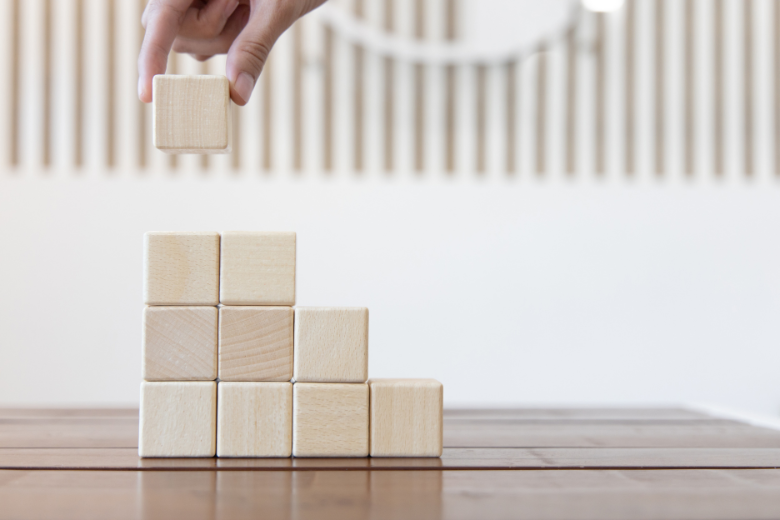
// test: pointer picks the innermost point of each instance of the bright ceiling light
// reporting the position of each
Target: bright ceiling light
(602, 6)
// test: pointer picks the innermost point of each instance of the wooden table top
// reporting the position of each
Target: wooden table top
(514, 463)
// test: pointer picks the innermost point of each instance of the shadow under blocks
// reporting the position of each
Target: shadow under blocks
(233, 369)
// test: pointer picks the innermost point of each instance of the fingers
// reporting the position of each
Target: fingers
(163, 18)
(221, 43)
(248, 53)
(208, 21)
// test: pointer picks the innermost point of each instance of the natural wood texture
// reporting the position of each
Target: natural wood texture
(497, 434)
(178, 419)
(191, 114)
(257, 268)
(255, 343)
(330, 420)
(324, 495)
(181, 268)
(451, 459)
(331, 344)
(535, 428)
(180, 343)
(596, 482)
(254, 420)
(406, 417)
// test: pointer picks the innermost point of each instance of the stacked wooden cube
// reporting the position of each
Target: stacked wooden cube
(231, 368)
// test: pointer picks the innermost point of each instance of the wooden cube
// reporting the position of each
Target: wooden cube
(181, 268)
(178, 419)
(254, 420)
(191, 114)
(330, 420)
(180, 343)
(257, 268)
(255, 343)
(406, 417)
(331, 344)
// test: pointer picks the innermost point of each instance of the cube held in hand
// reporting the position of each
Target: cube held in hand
(191, 114)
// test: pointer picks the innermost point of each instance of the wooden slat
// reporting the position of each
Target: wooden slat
(611, 435)
(615, 413)
(6, 413)
(594, 413)
(69, 433)
(345, 495)
(452, 459)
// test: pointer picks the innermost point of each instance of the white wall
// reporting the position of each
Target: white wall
(507, 291)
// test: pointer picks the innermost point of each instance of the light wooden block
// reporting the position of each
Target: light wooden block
(181, 268)
(254, 420)
(331, 344)
(180, 343)
(191, 114)
(255, 343)
(178, 419)
(406, 417)
(330, 420)
(257, 268)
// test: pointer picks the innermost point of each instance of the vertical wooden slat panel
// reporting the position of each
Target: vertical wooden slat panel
(541, 112)
(511, 116)
(111, 83)
(46, 138)
(600, 85)
(15, 98)
(747, 53)
(659, 88)
(630, 89)
(688, 79)
(718, 89)
(450, 30)
(481, 126)
(297, 107)
(419, 92)
(268, 114)
(776, 86)
(570, 125)
(359, 82)
(388, 93)
(327, 102)
(142, 122)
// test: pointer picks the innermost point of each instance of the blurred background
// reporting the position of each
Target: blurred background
(540, 202)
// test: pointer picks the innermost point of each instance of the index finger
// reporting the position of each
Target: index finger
(163, 19)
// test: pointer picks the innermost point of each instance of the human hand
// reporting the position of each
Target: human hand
(244, 29)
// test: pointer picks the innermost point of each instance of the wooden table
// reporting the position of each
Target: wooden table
(518, 463)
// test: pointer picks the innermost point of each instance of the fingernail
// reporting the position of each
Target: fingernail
(140, 89)
(244, 85)
(230, 7)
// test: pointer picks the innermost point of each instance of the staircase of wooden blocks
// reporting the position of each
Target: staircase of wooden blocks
(231, 368)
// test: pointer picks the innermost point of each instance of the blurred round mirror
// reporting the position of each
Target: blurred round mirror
(486, 30)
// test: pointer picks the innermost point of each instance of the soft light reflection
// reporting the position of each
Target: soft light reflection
(603, 6)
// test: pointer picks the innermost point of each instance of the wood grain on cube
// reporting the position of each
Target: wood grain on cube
(331, 344)
(180, 343)
(254, 420)
(257, 268)
(178, 419)
(181, 268)
(191, 114)
(330, 420)
(255, 343)
(406, 417)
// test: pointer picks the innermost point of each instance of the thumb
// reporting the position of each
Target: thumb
(249, 51)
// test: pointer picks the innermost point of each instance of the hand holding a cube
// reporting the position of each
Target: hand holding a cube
(245, 30)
